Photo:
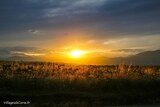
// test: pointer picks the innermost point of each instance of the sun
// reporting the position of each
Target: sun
(76, 53)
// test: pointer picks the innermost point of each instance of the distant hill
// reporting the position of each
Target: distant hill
(144, 58)
(147, 58)
(23, 58)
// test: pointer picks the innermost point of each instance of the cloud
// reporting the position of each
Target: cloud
(109, 42)
(129, 50)
(122, 16)
(22, 51)
(17, 53)
(133, 42)
(33, 31)
(72, 8)
(101, 19)
(67, 48)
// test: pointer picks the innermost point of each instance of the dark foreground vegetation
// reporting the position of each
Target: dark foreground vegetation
(67, 85)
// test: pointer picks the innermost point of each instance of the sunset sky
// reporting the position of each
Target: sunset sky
(108, 28)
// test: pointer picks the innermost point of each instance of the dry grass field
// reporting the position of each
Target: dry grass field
(47, 84)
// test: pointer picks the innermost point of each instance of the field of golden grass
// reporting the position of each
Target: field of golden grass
(69, 85)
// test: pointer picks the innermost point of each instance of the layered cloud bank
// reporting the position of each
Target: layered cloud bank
(33, 22)
(38, 54)
(110, 28)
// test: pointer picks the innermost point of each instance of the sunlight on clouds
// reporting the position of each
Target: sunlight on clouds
(26, 53)
(109, 42)
(68, 47)
(142, 42)
(33, 54)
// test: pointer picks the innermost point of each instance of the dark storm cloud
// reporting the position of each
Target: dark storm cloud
(22, 14)
(121, 17)
(132, 16)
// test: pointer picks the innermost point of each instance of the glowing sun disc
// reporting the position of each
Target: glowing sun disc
(76, 53)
